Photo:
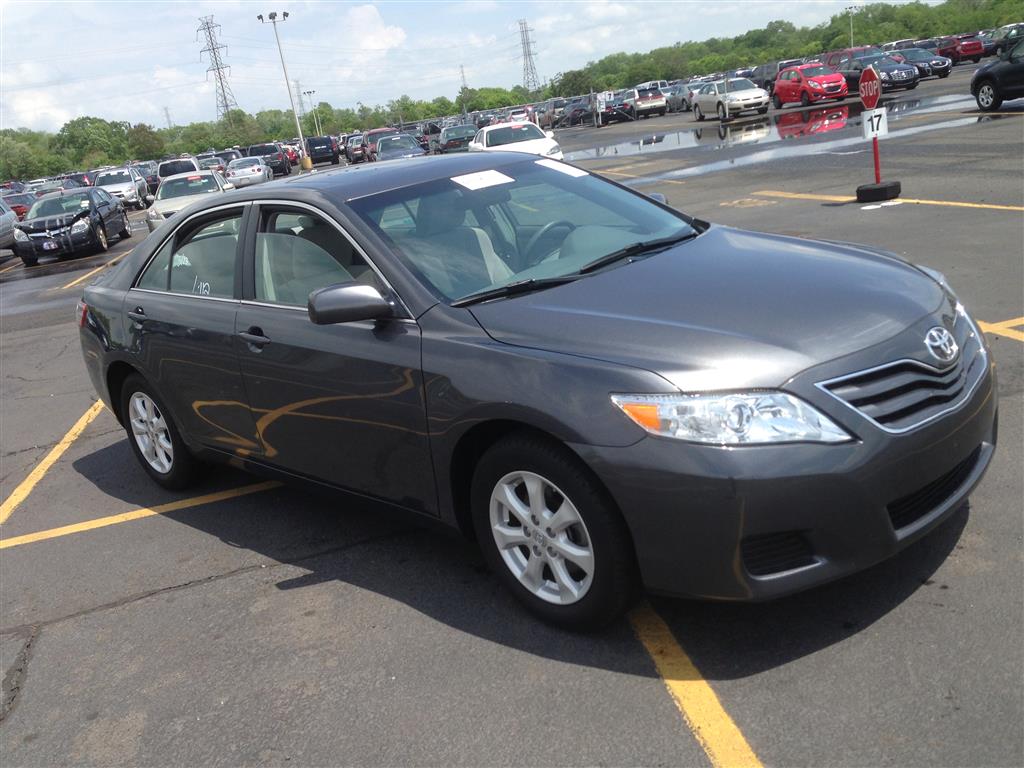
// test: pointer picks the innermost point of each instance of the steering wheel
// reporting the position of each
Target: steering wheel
(539, 235)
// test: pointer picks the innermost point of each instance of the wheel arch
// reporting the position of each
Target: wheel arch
(117, 373)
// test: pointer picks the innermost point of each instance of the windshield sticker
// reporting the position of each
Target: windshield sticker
(568, 170)
(482, 180)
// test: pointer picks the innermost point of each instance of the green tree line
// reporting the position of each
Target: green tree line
(87, 142)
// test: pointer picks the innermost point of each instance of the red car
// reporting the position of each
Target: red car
(19, 202)
(291, 154)
(960, 48)
(808, 84)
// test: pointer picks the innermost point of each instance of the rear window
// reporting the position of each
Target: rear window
(172, 167)
(815, 71)
(187, 185)
(460, 132)
(263, 149)
(513, 133)
(319, 143)
(647, 92)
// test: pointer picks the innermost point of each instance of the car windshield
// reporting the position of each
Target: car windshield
(815, 71)
(19, 199)
(172, 167)
(58, 206)
(318, 142)
(146, 169)
(355, 140)
(740, 84)
(450, 231)
(187, 185)
(244, 162)
(397, 144)
(916, 54)
(113, 177)
(460, 132)
(210, 162)
(512, 134)
(647, 92)
(866, 60)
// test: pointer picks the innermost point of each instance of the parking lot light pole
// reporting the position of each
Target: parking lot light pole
(272, 18)
(850, 9)
(316, 115)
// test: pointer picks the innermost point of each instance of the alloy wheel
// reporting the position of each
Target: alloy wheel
(101, 238)
(151, 434)
(541, 538)
(986, 95)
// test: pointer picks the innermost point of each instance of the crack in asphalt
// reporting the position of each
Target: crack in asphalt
(15, 677)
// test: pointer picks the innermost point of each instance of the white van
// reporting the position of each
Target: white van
(659, 84)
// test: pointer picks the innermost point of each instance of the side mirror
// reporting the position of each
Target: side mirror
(228, 185)
(150, 199)
(347, 303)
(658, 197)
(549, 134)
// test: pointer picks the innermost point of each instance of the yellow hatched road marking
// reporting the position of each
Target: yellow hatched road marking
(716, 732)
(136, 514)
(25, 486)
(1006, 328)
(905, 200)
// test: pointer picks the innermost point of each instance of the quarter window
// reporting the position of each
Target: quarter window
(198, 261)
(298, 252)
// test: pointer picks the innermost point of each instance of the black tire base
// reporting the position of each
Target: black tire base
(873, 193)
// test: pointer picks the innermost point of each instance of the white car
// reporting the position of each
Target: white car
(516, 137)
(178, 191)
(246, 171)
(727, 101)
(126, 184)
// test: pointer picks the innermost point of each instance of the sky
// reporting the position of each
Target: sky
(131, 60)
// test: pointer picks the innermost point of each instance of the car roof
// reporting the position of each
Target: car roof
(510, 124)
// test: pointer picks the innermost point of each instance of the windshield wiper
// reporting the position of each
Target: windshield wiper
(647, 246)
(513, 289)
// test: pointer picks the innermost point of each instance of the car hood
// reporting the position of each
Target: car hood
(122, 186)
(43, 223)
(749, 93)
(894, 67)
(728, 309)
(175, 204)
(533, 147)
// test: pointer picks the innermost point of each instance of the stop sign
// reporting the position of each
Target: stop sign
(870, 88)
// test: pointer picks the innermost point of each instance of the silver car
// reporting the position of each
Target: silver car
(181, 190)
(7, 221)
(246, 171)
(126, 184)
(729, 99)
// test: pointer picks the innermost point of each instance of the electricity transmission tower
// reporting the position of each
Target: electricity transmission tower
(531, 81)
(462, 72)
(298, 93)
(225, 98)
(167, 114)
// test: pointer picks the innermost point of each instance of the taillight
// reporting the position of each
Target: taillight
(82, 312)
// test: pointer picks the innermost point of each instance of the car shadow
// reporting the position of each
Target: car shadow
(438, 573)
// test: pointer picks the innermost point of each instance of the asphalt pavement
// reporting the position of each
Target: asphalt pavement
(244, 624)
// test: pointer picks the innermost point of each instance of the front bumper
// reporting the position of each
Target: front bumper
(825, 94)
(66, 244)
(758, 523)
(747, 105)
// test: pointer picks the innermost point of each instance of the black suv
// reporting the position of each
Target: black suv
(1000, 80)
(321, 149)
(274, 156)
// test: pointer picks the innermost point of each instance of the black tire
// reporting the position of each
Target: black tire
(335, 161)
(661, 113)
(805, 100)
(943, 75)
(100, 236)
(29, 261)
(763, 111)
(776, 101)
(698, 114)
(976, 59)
(613, 587)
(723, 116)
(912, 87)
(125, 233)
(184, 469)
(988, 96)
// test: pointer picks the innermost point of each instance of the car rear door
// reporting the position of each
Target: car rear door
(343, 404)
(1012, 73)
(180, 320)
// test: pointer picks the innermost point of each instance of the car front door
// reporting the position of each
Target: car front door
(1011, 73)
(180, 316)
(342, 403)
(108, 211)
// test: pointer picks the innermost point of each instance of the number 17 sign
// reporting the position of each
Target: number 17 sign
(874, 123)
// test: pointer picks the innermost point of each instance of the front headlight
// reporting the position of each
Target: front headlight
(884, 75)
(82, 225)
(20, 235)
(814, 84)
(740, 418)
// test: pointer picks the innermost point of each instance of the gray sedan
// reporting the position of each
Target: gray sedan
(604, 392)
(246, 171)
(729, 99)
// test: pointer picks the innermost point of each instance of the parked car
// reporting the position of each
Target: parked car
(741, 95)
(934, 65)
(10, 186)
(227, 156)
(322, 149)
(519, 137)
(8, 218)
(1000, 80)
(370, 139)
(398, 147)
(808, 84)
(274, 155)
(354, 148)
(898, 45)
(84, 178)
(177, 192)
(988, 44)
(40, 187)
(891, 73)
(19, 202)
(376, 307)
(291, 151)
(175, 166)
(126, 184)
(148, 170)
(577, 111)
(1007, 37)
(212, 163)
(765, 75)
(556, 108)
(960, 48)
(246, 171)
(455, 138)
(834, 59)
(649, 101)
(620, 107)
(70, 223)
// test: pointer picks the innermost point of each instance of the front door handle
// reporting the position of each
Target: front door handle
(254, 337)
(138, 314)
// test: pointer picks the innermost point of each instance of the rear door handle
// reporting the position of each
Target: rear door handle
(254, 337)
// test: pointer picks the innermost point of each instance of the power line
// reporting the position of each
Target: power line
(531, 82)
(225, 98)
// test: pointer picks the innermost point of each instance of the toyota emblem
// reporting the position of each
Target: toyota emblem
(941, 344)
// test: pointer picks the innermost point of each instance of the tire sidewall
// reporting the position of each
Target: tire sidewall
(613, 583)
(183, 465)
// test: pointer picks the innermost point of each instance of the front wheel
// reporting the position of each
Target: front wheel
(698, 114)
(29, 261)
(976, 59)
(776, 101)
(154, 439)
(126, 230)
(723, 115)
(805, 100)
(101, 239)
(551, 534)
(988, 97)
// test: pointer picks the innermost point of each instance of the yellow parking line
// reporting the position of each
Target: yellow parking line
(136, 514)
(716, 732)
(88, 274)
(1005, 328)
(906, 200)
(17, 263)
(25, 486)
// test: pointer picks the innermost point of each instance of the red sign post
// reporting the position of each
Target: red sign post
(875, 123)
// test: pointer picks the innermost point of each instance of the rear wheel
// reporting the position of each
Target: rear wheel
(976, 59)
(29, 261)
(154, 438)
(551, 535)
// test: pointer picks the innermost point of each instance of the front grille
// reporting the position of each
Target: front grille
(911, 508)
(906, 394)
(771, 553)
